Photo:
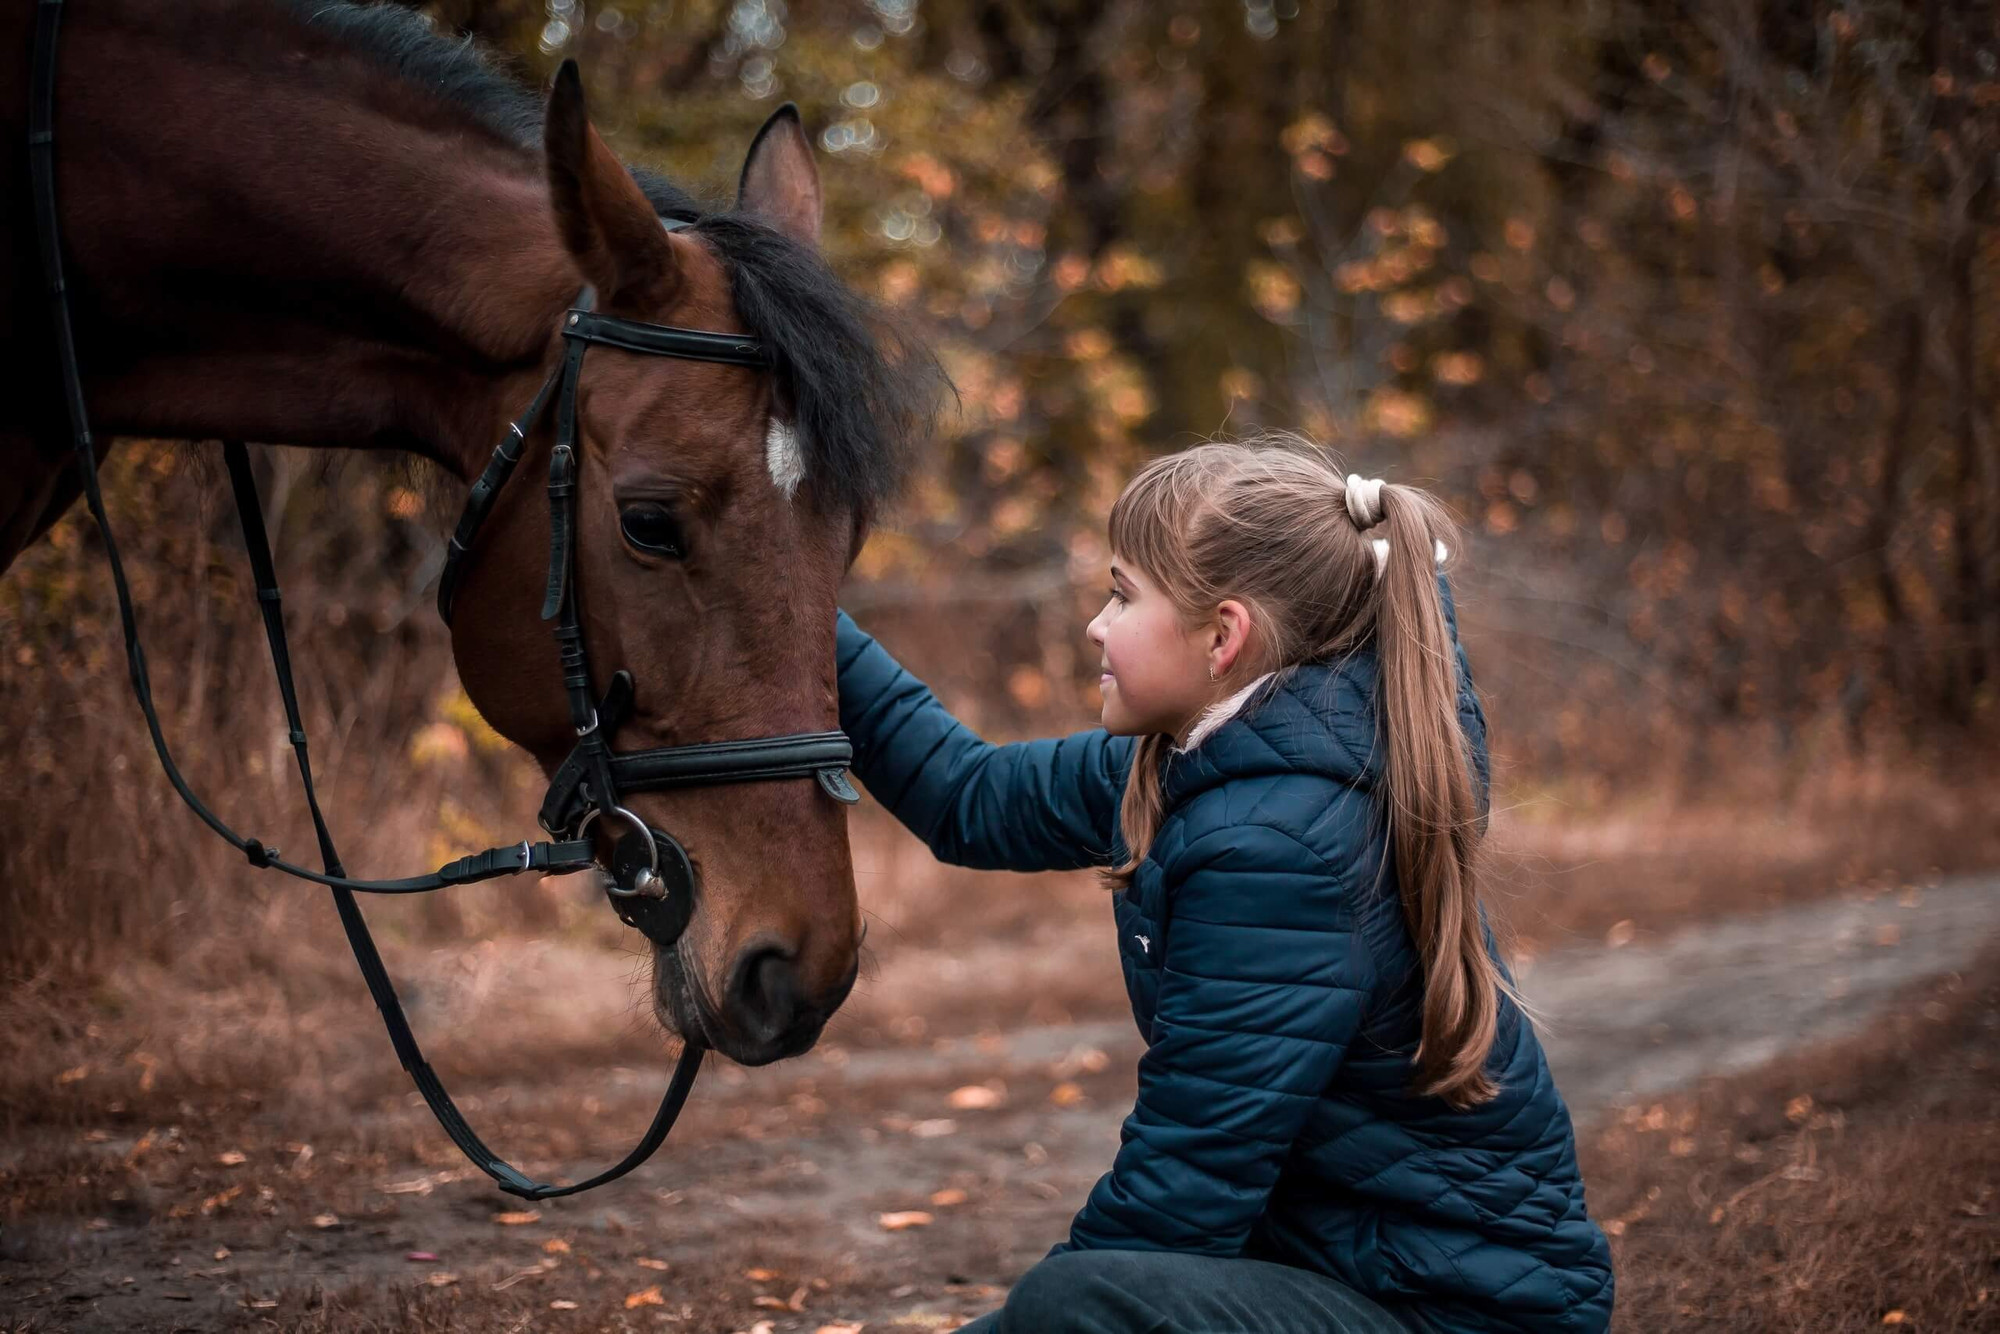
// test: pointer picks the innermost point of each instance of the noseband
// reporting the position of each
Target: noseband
(651, 883)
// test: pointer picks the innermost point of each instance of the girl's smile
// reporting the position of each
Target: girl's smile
(1156, 674)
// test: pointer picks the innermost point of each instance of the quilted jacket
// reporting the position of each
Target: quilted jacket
(1278, 990)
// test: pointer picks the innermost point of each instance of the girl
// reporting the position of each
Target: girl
(1344, 1121)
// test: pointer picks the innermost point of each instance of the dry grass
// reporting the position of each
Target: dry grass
(1563, 871)
(1840, 1189)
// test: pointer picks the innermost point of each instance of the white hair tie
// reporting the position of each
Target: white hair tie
(1364, 500)
(1380, 545)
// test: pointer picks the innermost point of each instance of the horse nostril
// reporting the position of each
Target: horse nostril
(765, 993)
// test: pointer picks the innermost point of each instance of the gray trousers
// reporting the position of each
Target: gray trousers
(1167, 1292)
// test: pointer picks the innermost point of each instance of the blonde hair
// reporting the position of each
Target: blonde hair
(1267, 522)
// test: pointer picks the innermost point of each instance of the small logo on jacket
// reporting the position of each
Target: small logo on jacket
(1145, 945)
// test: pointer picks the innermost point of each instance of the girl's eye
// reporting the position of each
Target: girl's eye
(1117, 596)
(652, 527)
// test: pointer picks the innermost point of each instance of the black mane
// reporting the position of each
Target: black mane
(859, 391)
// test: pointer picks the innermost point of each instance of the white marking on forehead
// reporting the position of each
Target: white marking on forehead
(784, 457)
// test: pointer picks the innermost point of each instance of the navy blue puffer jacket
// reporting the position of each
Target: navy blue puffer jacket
(1278, 990)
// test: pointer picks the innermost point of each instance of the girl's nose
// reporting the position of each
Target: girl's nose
(1094, 632)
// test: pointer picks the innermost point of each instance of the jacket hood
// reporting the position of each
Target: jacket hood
(1317, 718)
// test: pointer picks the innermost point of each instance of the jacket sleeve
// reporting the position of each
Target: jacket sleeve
(1029, 806)
(1262, 988)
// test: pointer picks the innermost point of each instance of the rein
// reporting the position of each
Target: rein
(651, 884)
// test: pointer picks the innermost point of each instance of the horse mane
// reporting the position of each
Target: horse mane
(860, 390)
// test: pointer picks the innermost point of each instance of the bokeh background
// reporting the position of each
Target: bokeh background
(1686, 309)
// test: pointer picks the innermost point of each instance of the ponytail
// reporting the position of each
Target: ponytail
(1432, 807)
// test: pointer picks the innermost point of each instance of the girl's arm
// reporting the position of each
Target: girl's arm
(1029, 806)
(1262, 989)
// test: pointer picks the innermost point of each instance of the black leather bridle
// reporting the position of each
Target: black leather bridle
(651, 883)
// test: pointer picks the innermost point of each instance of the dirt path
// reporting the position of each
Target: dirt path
(776, 1185)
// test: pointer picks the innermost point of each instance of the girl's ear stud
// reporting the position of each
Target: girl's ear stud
(1211, 672)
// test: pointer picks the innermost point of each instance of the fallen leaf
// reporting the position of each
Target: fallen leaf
(71, 1075)
(797, 1301)
(518, 1217)
(326, 1220)
(561, 1305)
(263, 1304)
(975, 1098)
(760, 1275)
(947, 1197)
(222, 1252)
(1066, 1094)
(648, 1262)
(1799, 1108)
(440, 1279)
(219, 1199)
(233, 1158)
(769, 1303)
(420, 1186)
(761, 1327)
(420, 1255)
(644, 1297)
(1090, 1060)
(1621, 934)
(942, 1125)
(1889, 934)
(98, 1225)
(1896, 1318)
(840, 1327)
(909, 1218)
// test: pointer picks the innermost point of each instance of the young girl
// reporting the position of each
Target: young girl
(1344, 1121)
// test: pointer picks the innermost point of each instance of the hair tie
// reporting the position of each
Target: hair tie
(1364, 500)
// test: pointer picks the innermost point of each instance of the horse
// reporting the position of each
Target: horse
(324, 224)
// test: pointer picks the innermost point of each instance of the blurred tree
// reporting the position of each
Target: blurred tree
(1680, 304)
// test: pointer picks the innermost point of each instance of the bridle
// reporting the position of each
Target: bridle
(651, 883)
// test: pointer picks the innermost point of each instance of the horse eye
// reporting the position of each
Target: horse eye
(653, 528)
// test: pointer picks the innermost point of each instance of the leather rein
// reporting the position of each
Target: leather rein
(651, 883)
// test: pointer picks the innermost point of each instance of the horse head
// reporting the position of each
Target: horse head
(716, 508)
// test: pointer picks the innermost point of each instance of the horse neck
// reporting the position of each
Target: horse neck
(298, 250)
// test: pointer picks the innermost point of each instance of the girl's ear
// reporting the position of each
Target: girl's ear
(1231, 636)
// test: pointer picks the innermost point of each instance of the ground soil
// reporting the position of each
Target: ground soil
(170, 1185)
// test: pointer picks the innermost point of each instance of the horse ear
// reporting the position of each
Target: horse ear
(780, 182)
(606, 221)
